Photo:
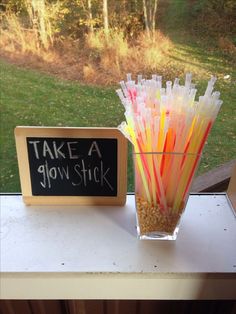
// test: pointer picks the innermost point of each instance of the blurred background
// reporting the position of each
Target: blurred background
(61, 62)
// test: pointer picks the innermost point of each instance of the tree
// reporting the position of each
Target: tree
(90, 16)
(149, 12)
(105, 17)
(38, 19)
(154, 13)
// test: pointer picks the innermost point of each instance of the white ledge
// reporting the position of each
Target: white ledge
(79, 252)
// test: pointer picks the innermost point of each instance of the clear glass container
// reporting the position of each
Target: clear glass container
(162, 185)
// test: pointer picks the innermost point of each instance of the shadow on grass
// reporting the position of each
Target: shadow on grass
(192, 48)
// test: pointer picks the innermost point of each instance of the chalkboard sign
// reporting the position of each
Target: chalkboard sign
(72, 165)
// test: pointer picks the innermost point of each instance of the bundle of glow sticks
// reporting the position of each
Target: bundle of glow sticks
(167, 121)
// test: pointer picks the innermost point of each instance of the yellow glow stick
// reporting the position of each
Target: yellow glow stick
(139, 162)
(150, 163)
(194, 146)
(173, 174)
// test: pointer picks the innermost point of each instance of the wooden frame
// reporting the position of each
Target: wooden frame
(21, 133)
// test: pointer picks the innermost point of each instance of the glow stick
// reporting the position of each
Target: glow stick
(134, 141)
(167, 121)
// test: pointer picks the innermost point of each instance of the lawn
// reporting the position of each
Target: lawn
(32, 98)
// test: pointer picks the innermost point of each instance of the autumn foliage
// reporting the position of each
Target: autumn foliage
(97, 41)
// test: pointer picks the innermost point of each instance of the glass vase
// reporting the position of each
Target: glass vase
(162, 185)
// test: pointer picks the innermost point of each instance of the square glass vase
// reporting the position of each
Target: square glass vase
(162, 185)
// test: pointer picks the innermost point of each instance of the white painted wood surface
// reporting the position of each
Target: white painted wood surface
(81, 252)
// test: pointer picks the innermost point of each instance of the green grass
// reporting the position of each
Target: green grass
(31, 98)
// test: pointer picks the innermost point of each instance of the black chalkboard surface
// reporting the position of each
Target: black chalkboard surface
(72, 165)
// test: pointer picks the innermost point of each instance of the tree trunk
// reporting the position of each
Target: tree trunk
(37, 15)
(90, 16)
(30, 5)
(154, 17)
(42, 24)
(105, 17)
(146, 21)
(149, 12)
